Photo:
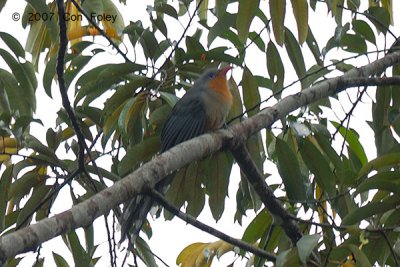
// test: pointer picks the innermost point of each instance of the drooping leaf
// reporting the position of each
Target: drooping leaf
(275, 67)
(246, 13)
(300, 10)
(295, 55)
(289, 170)
(277, 12)
(306, 245)
(251, 94)
(319, 167)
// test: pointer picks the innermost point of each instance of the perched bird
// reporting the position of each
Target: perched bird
(202, 109)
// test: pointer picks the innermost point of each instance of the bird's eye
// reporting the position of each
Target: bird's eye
(211, 75)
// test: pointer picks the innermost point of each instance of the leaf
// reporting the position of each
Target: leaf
(59, 260)
(289, 170)
(370, 209)
(32, 204)
(251, 94)
(364, 30)
(384, 180)
(14, 92)
(25, 75)
(257, 227)
(13, 44)
(78, 252)
(5, 183)
(275, 68)
(203, 8)
(362, 259)
(138, 154)
(300, 10)
(37, 146)
(143, 251)
(380, 17)
(381, 162)
(166, 9)
(217, 174)
(223, 24)
(352, 139)
(277, 12)
(295, 55)
(99, 79)
(319, 167)
(51, 24)
(306, 245)
(246, 12)
(353, 43)
(171, 99)
(202, 254)
(313, 45)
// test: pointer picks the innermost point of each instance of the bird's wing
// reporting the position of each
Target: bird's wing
(186, 121)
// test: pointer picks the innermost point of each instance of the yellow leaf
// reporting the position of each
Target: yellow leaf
(201, 254)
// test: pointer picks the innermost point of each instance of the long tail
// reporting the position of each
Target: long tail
(135, 213)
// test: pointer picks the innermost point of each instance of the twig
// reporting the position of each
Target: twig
(157, 196)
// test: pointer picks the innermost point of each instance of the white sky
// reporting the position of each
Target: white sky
(169, 238)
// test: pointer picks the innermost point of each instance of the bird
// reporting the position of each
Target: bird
(203, 108)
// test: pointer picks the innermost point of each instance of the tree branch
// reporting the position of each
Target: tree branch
(149, 174)
(157, 196)
(256, 179)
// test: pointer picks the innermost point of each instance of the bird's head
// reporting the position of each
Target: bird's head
(214, 79)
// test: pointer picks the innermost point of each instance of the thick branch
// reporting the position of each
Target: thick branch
(212, 231)
(146, 176)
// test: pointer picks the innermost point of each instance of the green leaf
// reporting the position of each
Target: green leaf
(319, 166)
(352, 139)
(79, 254)
(362, 259)
(289, 170)
(217, 174)
(353, 43)
(14, 92)
(364, 30)
(37, 146)
(203, 8)
(193, 188)
(257, 227)
(381, 162)
(287, 258)
(32, 204)
(13, 44)
(380, 17)
(48, 75)
(166, 9)
(251, 94)
(143, 251)
(295, 55)
(247, 11)
(5, 183)
(25, 75)
(59, 260)
(138, 154)
(306, 245)
(277, 12)
(313, 45)
(275, 67)
(51, 24)
(300, 10)
(171, 99)
(99, 79)
(370, 209)
(220, 27)
(386, 180)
